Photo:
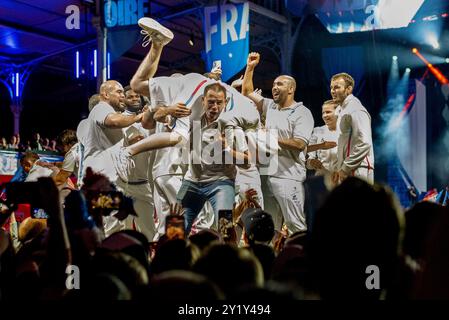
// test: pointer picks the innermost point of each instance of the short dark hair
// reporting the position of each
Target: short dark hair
(67, 138)
(215, 87)
(29, 156)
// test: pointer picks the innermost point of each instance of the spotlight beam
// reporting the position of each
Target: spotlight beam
(437, 73)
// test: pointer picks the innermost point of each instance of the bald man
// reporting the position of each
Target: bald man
(103, 129)
(103, 135)
(293, 123)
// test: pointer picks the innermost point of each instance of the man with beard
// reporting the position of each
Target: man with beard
(103, 136)
(355, 155)
(294, 124)
(103, 130)
(139, 185)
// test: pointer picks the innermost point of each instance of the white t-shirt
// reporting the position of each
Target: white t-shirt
(295, 121)
(82, 130)
(72, 160)
(206, 163)
(327, 157)
(37, 172)
(99, 140)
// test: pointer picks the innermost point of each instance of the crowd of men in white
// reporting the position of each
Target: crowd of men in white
(196, 141)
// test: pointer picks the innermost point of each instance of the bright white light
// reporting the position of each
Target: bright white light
(395, 58)
(109, 66)
(95, 63)
(433, 41)
(447, 60)
(351, 27)
(77, 61)
(408, 70)
(340, 28)
(17, 84)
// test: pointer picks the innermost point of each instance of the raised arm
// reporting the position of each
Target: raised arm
(147, 69)
(247, 85)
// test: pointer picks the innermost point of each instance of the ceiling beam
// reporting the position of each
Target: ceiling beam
(42, 33)
(264, 11)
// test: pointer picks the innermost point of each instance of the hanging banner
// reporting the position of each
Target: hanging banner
(120, 13)
(366, 15)
(226, 33)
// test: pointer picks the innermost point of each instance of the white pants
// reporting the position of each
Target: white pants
(365, 174)
(142, 196)
(284, 199)
(205, 219)
(165, 189)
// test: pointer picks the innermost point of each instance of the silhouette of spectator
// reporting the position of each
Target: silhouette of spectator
(182, 286)
(265, 254)
(204, 238)
(84, 235)
(36, 143)
(129, 244)
(4, 143)
(358, 226)
(230, 268)
(258, 226)
(102, 287)
(430, 250)
(176, 254)
(126, 268)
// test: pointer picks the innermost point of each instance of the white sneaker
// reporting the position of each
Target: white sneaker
(123, 163)
(154, 31)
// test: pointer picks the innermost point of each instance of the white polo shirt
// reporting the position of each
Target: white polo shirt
(295, 121)
(99, 140)
(72, 160)
(211, 166)
(327, 157)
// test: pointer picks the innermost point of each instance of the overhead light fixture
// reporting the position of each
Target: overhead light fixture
(436, 45)
(191, 40)
(395, 58)
(433, 41)
(447, 60)
(408, 70)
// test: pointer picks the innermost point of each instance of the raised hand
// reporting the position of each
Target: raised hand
(176, 209)
(258, 91)
(253, 59)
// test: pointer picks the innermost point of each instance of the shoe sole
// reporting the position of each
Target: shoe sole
(152, 25)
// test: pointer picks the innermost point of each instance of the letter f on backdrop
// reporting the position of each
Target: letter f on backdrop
(226, 30)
